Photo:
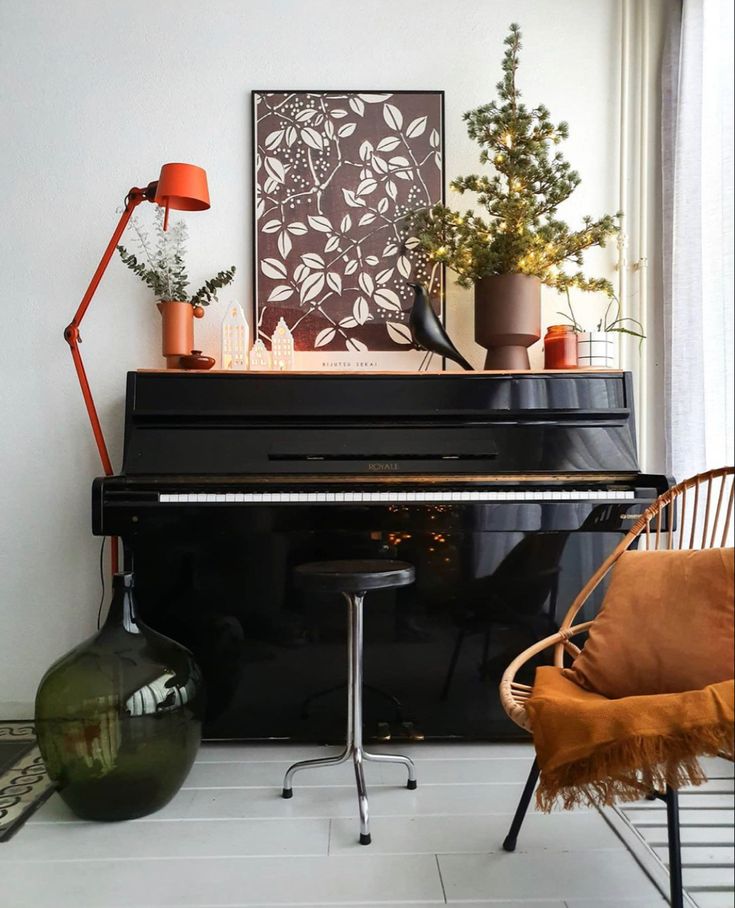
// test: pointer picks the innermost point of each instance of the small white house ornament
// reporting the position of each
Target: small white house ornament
(260, 360)
(235, 337)
(282, 348)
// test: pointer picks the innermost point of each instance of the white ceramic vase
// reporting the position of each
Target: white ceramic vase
(597, 349)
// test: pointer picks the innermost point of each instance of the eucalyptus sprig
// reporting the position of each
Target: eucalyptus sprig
(163, 269)
(207, 293)
(519, 233)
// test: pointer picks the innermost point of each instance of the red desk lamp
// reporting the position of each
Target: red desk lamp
(180, 186)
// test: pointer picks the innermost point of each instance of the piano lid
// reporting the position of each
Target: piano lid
(311, 423)
(293, 394)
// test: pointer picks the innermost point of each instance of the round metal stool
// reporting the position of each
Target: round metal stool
(353, 579)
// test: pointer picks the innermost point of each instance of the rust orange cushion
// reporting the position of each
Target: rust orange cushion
(665, 626)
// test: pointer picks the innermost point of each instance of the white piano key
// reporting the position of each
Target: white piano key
(398, 495)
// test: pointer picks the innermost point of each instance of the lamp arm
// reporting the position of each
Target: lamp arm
(72, 337)
(71, 332)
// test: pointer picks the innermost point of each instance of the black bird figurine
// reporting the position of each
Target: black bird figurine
(428, 332)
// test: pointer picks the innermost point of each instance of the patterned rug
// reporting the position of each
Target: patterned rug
(24, 785)
(707, 837)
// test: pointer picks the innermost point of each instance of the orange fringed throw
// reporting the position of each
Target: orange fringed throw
(592, 750)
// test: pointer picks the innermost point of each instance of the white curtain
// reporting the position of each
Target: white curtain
(697, 122)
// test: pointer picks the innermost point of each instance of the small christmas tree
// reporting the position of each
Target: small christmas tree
(530, 181)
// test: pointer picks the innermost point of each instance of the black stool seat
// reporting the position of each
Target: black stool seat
(354, 576)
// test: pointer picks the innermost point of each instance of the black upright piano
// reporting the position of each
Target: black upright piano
(505, 490)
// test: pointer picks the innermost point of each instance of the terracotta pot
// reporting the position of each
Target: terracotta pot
(507, 319)
(177, 330)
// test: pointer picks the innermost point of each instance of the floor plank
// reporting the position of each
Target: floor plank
(152, 838)
(432, 800)
(715, 899)
(570, 831)
(206, 883)
(700, 856)
(239, 774)
(691, 835)
(612, 874)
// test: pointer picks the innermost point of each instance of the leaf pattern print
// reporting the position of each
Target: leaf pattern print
(336, 175)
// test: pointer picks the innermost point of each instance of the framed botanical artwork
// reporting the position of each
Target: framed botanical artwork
(337, 175)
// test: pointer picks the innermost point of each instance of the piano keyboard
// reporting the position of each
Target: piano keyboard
(395, 497)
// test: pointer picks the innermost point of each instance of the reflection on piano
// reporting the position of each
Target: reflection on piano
(505, 491)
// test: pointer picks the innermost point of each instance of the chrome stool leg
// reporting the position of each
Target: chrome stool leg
(347, 752)
(395, 758)
(312, 764)
(354, 746)
(355, 690)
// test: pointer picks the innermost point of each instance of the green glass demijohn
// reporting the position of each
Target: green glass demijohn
(119, 718)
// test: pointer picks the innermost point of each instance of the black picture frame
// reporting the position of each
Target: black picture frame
(312, 350)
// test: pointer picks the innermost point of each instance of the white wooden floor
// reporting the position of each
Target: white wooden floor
(229, 839)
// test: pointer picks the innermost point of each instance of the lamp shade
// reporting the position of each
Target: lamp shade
(182, 186)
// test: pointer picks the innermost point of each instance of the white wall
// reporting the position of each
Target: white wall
(96, 94)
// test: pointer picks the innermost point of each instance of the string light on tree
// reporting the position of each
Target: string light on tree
(519, 231)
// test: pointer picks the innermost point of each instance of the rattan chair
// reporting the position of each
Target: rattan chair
(695, 514)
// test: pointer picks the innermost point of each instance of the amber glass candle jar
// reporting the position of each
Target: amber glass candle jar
(560, 348)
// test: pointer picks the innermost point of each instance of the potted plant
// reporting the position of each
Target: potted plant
(164, 271)
(519, 243)
(599, 348)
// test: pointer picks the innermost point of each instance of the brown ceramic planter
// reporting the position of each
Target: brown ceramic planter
(177, 330)
(507, 318)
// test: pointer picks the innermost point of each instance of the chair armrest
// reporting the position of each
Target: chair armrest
(513, 694)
